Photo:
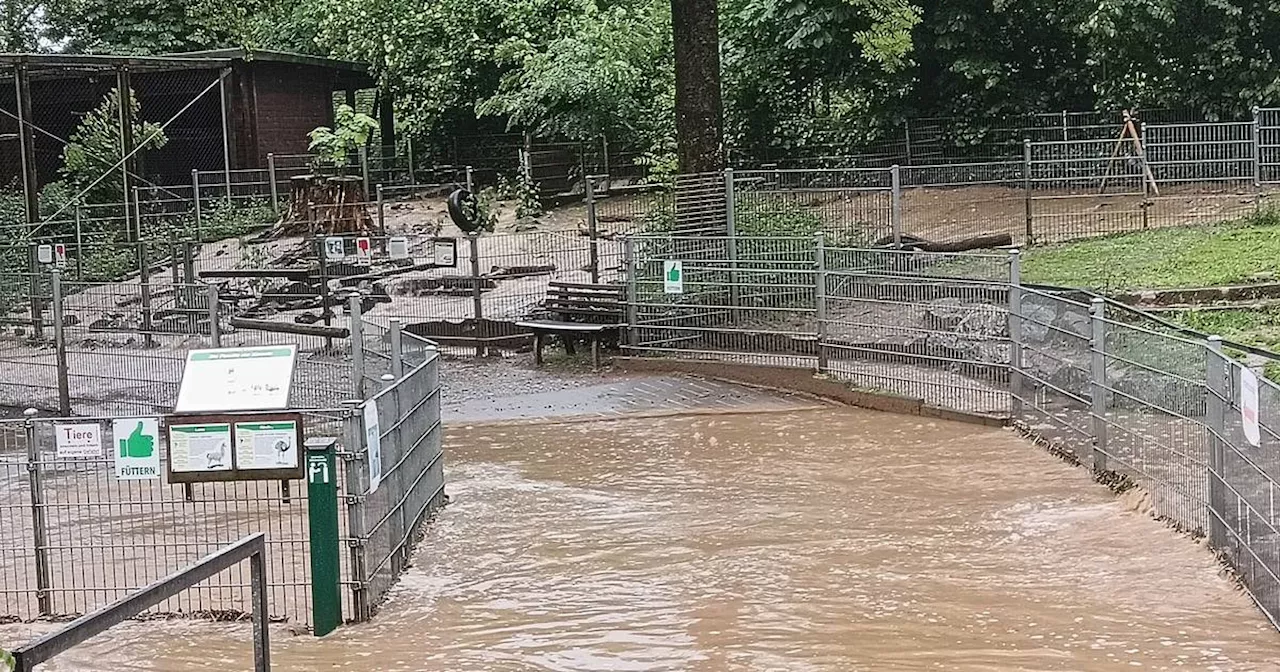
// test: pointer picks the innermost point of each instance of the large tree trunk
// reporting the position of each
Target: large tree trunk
(699, 111)
(320, 205)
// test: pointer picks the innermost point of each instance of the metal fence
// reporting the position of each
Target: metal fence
(77, 537)
(385, 516)
(1065, 185)
(1140, 401)
(924, 325)
(1058, 190)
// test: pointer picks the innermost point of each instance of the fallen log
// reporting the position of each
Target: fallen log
(983, 242)
(239, 273)
(290, 328)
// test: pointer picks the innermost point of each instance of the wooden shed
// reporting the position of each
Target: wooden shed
(225, 109)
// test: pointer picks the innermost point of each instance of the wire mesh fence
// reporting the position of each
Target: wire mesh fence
(410, 487)
(1130, 396)
(1242, 482)
(80, 536)
(925, 325)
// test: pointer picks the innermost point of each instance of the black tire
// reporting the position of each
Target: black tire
(463, 210)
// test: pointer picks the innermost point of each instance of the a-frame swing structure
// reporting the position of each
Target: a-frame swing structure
(1132, 140)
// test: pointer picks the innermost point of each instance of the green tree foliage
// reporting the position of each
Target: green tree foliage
(1217, 56)
(440, 58)
(147, 27)
(135, 26)
(20, 24)
(607, 71)
(350, 132)
(789, 62)
(792, 69)
(94, 149)
(977, 58)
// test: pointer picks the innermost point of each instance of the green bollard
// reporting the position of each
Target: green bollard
(322, 504)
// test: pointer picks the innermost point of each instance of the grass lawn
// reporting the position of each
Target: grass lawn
(1229, 253)
(1257, 327)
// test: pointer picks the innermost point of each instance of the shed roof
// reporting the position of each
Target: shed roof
(350, 74)
(244, 54)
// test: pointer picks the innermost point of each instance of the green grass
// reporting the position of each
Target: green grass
(1230, 253)
(1257, 327)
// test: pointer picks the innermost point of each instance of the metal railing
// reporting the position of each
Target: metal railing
(252, 548)
(1139, 401)
(1063, 186)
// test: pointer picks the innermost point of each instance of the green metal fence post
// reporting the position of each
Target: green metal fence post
(322, 505)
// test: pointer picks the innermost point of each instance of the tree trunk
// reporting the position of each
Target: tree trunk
(323, 205)
(699, 111)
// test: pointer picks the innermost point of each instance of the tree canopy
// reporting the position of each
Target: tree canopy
(581, 68)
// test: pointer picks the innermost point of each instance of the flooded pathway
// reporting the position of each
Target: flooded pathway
(831, 539)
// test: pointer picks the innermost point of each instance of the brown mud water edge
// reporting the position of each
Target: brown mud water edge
(803, 381)
(806, 382)
(1121, 484)
(1115, 482)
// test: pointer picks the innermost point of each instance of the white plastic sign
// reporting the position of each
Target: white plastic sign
(673, 277)
(60, 255)
(335, 249)
(444, 252)
(136, 448)
(373, 444)
(79, 440)
(317, 469)
(398, 247)
(364, 251)
(237, 379)
(1249, 406)
(266, 445)
(44, 254)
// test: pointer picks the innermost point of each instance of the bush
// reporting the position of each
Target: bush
(524, 192)
(107, 263)
(232, 219)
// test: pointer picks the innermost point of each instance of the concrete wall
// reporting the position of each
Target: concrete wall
(805, 382)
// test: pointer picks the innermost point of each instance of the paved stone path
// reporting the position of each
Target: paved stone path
(499, 390)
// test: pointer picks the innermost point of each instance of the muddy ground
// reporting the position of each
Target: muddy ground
(519, 260)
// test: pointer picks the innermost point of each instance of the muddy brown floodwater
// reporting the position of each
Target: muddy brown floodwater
(831, 539)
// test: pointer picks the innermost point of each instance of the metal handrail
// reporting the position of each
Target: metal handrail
(252, 548)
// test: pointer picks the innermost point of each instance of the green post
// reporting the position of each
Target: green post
(322, 504)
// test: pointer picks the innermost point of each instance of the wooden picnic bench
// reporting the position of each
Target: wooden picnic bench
(576, 311)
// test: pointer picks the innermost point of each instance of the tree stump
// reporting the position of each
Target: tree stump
(326, 205)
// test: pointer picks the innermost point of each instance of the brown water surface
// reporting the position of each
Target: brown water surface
(833, 539)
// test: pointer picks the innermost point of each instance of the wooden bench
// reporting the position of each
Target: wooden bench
(578, 311)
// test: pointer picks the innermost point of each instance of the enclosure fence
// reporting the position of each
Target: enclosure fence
(78, 537)
(1138, 400)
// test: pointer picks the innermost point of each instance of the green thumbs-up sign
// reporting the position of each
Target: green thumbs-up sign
(137, 444)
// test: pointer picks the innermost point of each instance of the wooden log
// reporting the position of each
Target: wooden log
(290, 328)
(238, 273)
(983, 242)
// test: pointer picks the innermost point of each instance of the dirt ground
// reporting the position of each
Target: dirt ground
(104, 321)
(946, 214)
